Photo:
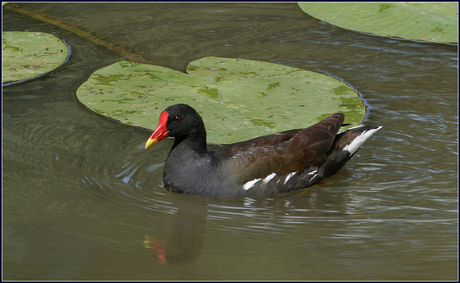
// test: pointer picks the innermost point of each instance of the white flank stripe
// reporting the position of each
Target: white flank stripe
(355, 127)
(250, 184)
(269, 177)
(358, 142)
(289, 176)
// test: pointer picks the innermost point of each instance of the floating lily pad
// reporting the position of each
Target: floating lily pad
(435, 21)
(30, 54)
(238, 99)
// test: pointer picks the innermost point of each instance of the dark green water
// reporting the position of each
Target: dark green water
(82, 199)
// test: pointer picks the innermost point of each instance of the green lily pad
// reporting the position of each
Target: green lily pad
(435, 21)
(30, 54)
(238, 99)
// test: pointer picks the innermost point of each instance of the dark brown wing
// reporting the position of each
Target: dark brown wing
(262, 141)
(282, 153)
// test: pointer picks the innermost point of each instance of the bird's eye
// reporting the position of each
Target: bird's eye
(177, 119)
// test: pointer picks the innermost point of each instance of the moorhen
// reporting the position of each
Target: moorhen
(270, 164)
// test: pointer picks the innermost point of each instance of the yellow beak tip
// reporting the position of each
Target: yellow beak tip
(150, 142)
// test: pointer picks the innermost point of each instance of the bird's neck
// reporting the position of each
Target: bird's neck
(195, 143)
(188, 163)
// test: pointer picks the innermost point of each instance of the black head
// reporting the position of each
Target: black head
(183, 121)
(179, 121)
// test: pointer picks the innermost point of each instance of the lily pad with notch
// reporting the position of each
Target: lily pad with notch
(238, 99)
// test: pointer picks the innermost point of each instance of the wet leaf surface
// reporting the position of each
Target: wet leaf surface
(238, 99)
(437, 22)
(30, 54)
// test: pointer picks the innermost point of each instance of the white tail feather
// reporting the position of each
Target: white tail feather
(359, 140)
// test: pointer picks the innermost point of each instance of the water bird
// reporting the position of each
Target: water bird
(266, 165)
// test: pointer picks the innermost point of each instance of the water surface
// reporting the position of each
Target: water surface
(82, 199)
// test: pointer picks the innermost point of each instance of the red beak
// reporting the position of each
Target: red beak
(160, 133)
